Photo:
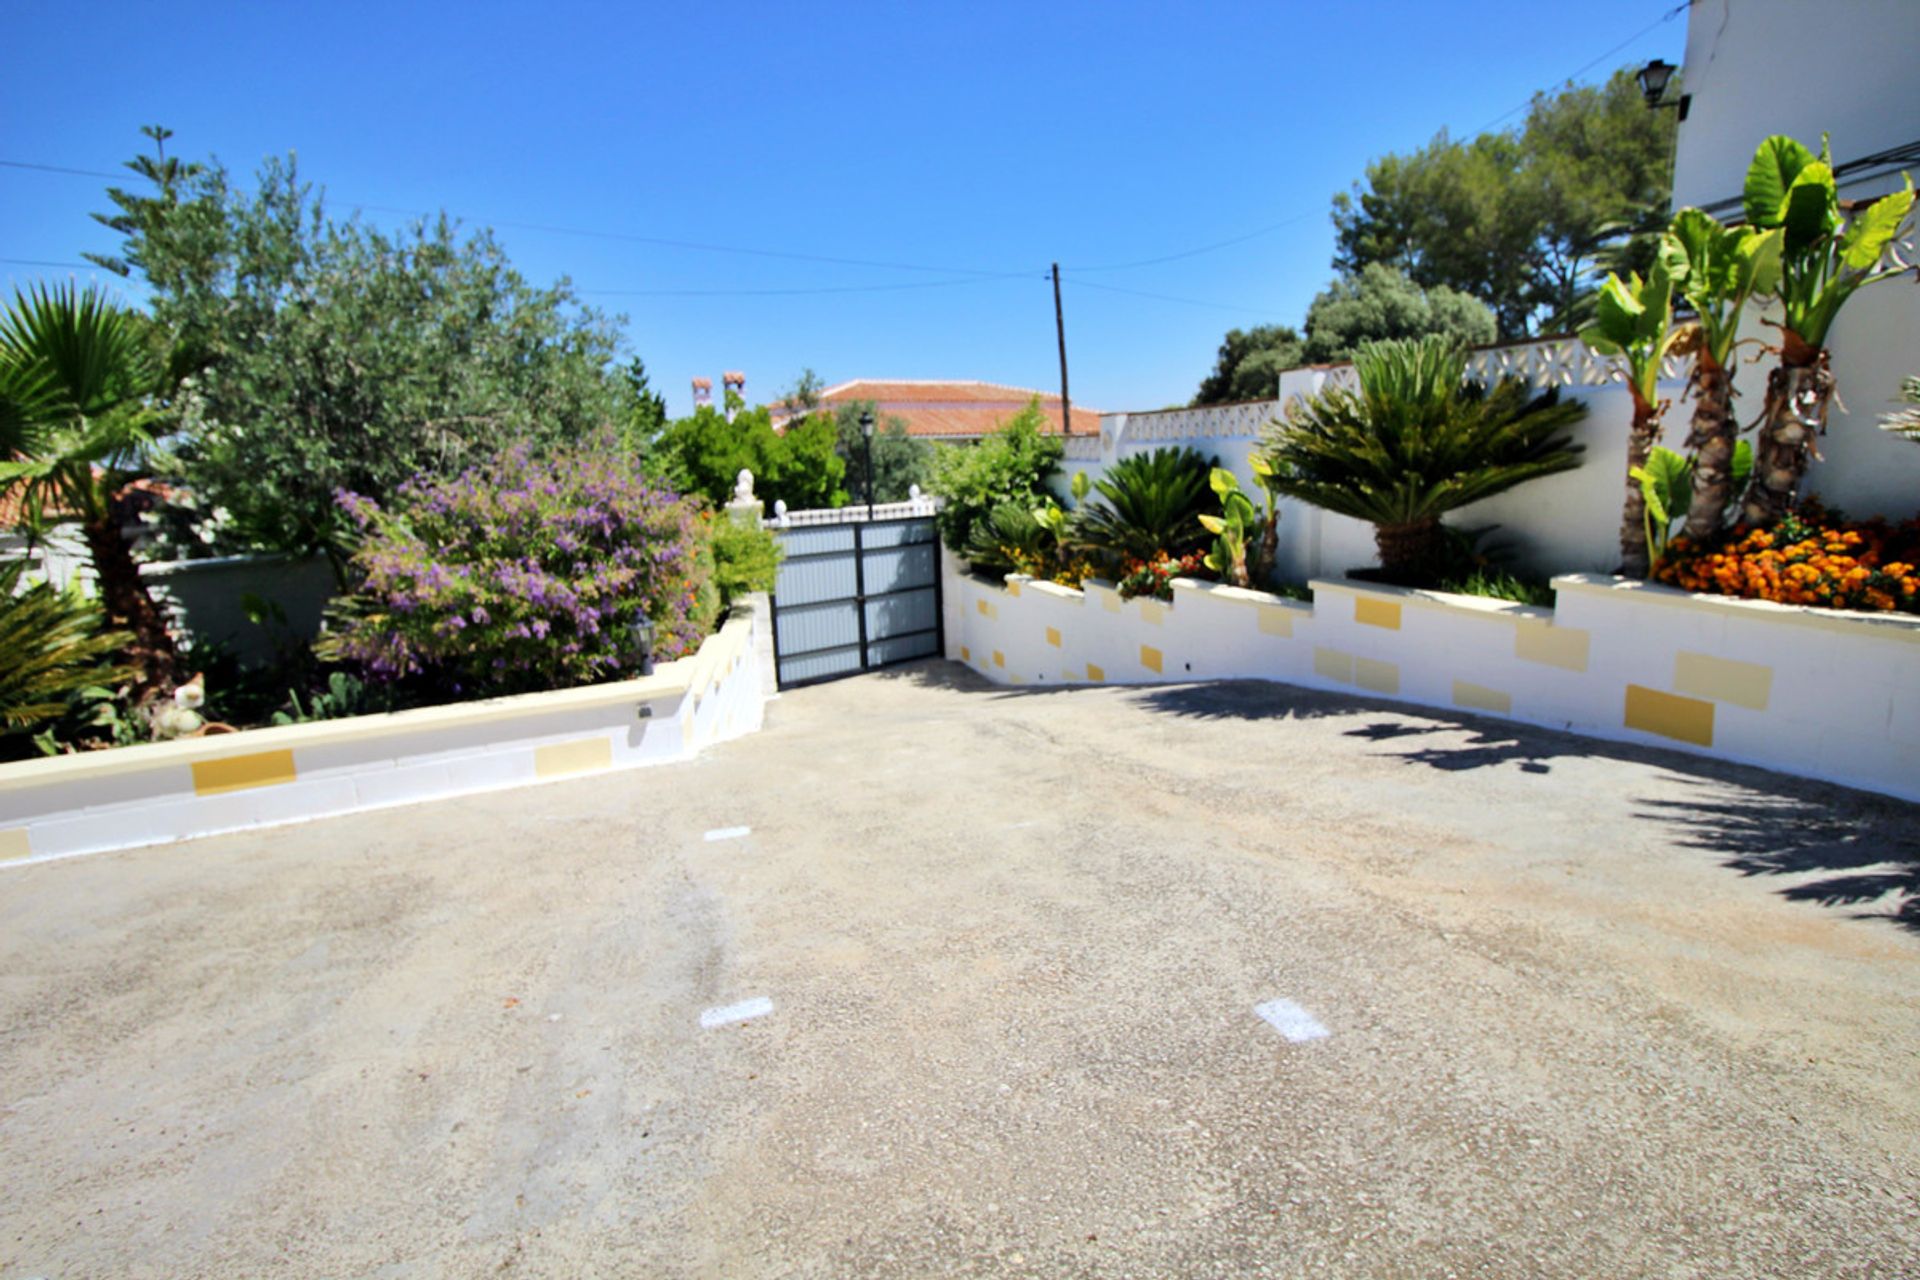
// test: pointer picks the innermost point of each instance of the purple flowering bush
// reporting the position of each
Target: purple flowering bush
(524, 574)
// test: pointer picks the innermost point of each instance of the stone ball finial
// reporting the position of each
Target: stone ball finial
(743, 486)
(780, 507)
(913, 493)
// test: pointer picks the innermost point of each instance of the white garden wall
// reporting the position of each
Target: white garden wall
(169, 791)
(1809, 692)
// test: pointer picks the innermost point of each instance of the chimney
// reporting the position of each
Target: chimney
(702, 393)
(735, 382)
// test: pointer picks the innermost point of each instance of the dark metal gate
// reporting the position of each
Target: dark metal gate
(855, 596)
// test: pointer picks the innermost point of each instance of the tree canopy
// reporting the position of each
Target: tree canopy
(1250, 362)
(1380, 303)
(309, 356)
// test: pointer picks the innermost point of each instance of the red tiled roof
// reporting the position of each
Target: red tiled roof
(961, 409)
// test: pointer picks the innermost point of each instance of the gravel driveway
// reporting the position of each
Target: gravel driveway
(1537, 1006)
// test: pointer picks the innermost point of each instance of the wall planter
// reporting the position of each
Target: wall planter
(167, 791)
(1817, 693)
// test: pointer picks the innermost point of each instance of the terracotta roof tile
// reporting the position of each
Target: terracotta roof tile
(956, 408)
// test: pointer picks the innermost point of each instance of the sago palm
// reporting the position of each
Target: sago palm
(74, 377)
(1146, 503)
(1415, 442)
(1633, 323)
(51, 647)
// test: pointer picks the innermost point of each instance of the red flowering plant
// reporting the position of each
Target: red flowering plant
(527, 573)
(1154, 576)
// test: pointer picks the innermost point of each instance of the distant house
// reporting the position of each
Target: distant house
(954, 411)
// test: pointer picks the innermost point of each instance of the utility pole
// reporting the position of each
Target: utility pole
(1060, 328)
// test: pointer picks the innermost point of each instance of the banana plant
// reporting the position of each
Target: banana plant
(1633, 323)
(1826, 259)
(1717, 270)
(1239, 526)
(1665, 481)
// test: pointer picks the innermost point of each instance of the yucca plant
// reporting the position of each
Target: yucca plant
(1825, 260)
(1146, 503)
(74, 377)
(1415, 442)
(51, 647)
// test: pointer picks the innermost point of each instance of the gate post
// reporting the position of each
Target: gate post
(745, 508)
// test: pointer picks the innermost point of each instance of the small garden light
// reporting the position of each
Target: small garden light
(643, 643)
(866, 436)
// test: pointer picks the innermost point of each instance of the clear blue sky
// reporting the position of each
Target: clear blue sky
(990, 137)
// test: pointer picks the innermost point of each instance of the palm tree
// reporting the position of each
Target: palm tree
(74, 377)
(1414, 443)
(1633, 322)
(1716, 269)
(1825, 260)
(1148, 503)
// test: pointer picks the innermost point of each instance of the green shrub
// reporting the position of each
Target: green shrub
(1013, 465)
(746, 558)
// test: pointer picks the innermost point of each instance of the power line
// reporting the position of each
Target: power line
(41, 262)
(1167, 297)
(1581, 70)
(1205, 248)
(788, 293)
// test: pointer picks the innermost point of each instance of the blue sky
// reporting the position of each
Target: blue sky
(976, 138)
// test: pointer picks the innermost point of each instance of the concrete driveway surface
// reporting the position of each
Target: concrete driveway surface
(1537, 1006)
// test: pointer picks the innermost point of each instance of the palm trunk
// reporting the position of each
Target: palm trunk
(1634, 557)
(130, 607)
(1799, 389)
(1409, 553)
(1712, 441)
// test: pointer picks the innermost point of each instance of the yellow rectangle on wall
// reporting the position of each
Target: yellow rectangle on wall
(1480, 698)
(1277, 622)
(582, 755)
(1053, 636)
(1013, 588)
(1095, 673)
(1564, 647)
(1151, 658)
(238, 773)
(999, 658)
(1744, 684)
(988, 609)
(966, 654)
(1152, 611)
(1669, 715)
(1369, 612)
(14, 844)
(1332, 664)
(1381, 677)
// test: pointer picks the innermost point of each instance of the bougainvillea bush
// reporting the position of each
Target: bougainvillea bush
(524, 574)
(1810, 557)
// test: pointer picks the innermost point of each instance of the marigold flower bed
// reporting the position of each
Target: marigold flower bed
(1810, 558)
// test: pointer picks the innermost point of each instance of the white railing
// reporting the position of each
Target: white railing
(853, 513)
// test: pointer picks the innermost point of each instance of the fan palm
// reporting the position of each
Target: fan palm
(1415, 442)
(74, 377)
(1147, 503)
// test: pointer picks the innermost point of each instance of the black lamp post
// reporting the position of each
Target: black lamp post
(866, 437)
(642, 632)
(1653, 79)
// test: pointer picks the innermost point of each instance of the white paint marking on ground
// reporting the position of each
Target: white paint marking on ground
(728, 833)
(721, 1015)
(1291, 1021)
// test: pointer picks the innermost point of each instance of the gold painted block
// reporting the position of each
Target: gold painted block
(1332, 664)
(1744, 684)
(1564, 647)
(1013, 588)
(1480, 698)
(1277, 622)
(14, 844)
(999, 658)
(1053, 636)
(988, 609)
(1110, 601)
(1014, 677)
(966, 654)
(582, 755)
(1369, 612)
(1669, 715)
(1152, 610)
(238, 773)
(1096, 673)
(1381, 677)
(1151, 658)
